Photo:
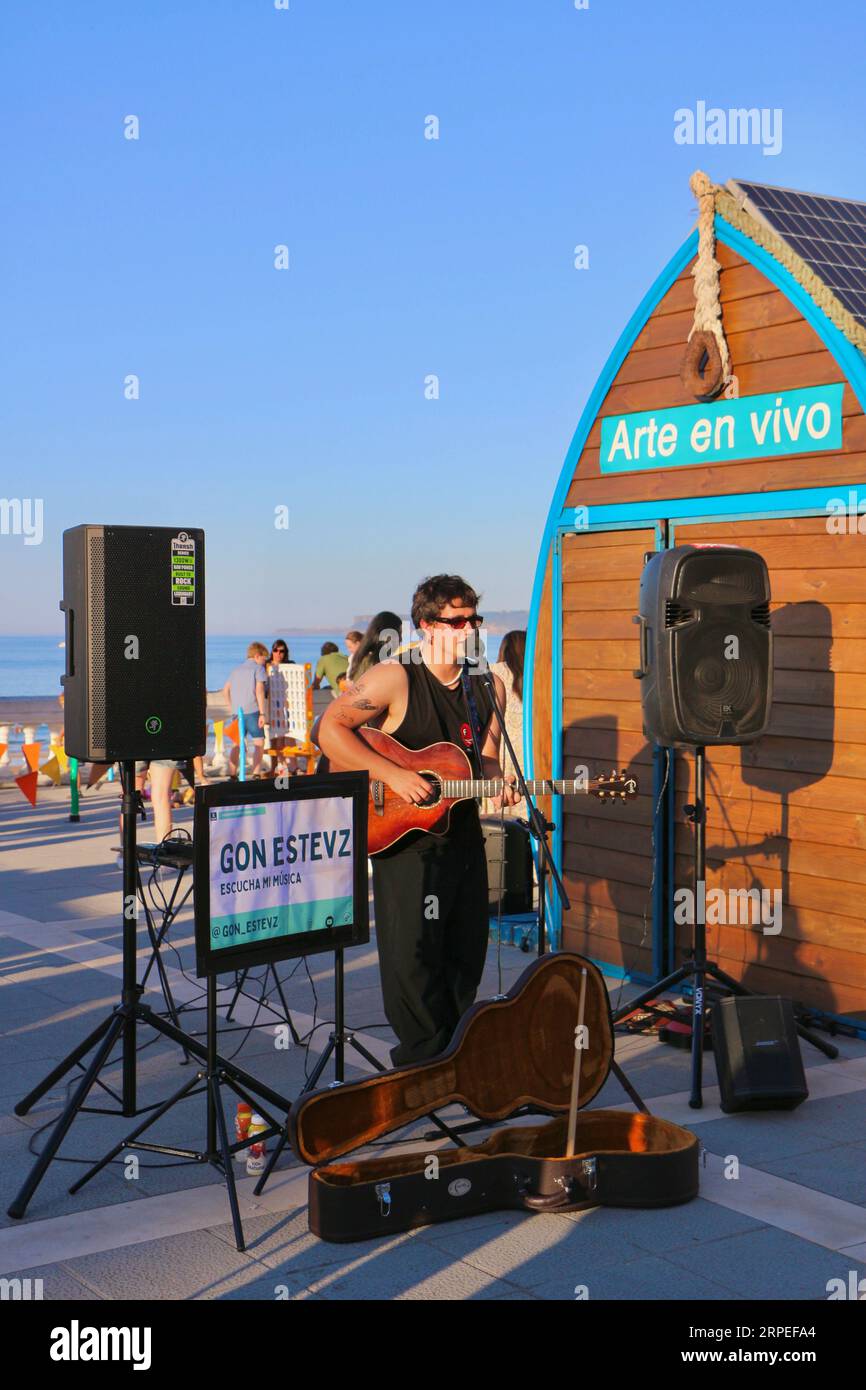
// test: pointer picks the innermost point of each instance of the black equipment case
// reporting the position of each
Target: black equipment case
(758, 1057)
(517, 1050)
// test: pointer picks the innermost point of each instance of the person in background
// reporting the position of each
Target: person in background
(509, 669)
(330, 666)
(161, 773)
(245, 690)
(380, 641)
(279, 657)
(353, 641)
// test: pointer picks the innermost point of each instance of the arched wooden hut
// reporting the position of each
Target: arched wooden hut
(784, 475)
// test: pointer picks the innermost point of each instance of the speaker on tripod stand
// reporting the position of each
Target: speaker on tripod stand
(706, 674)
(134, 687)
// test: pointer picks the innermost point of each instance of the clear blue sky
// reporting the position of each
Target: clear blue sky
(408, 256)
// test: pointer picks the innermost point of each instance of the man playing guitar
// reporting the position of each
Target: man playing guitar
(429, 891)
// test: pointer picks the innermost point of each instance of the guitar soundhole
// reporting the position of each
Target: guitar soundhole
(435, 790)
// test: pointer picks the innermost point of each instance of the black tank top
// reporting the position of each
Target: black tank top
(437, 713)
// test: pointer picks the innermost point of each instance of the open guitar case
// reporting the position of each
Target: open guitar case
(509, 1052)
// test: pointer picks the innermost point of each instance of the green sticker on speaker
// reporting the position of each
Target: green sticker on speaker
(182, 570)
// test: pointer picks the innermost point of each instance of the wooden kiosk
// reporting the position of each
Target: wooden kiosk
(773, 458)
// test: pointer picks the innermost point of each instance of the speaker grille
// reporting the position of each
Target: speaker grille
(96, 643)
(761, 614)
(713, 577)
(721, 694)
(676, 614)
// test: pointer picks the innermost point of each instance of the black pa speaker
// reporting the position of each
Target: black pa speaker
(706, 649)
(757, 1053)
(134, 686)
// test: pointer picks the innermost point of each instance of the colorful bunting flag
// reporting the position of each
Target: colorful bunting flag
(27, 782)
(31, 753)
(52, 770)
(61, 755)
(231, 731)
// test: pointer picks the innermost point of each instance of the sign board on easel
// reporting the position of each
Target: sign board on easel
(279, 872)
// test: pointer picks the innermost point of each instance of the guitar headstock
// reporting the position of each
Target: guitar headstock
(617, 786)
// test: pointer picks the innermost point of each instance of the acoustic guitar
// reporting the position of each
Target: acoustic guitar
(449, 772)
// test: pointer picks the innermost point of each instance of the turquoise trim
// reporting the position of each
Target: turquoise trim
(616, 972)
(554, 906)
(793, 502)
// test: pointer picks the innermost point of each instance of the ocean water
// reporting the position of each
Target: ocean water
(34, 665)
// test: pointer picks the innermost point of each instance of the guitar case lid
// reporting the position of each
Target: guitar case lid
(507, 1052)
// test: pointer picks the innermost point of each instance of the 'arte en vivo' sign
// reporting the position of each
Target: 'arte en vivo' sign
(805, 421)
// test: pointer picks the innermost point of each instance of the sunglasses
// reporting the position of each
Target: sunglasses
(475, 621)
(284, 650)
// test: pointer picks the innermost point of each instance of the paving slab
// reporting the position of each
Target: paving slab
(62, 973)
(765, 1264)
(191, 1266)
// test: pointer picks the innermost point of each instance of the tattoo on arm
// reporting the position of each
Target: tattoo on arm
(364, 703)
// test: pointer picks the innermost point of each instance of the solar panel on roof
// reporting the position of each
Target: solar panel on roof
(829, 234)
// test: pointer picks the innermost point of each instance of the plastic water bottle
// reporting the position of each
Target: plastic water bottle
(256, 1153)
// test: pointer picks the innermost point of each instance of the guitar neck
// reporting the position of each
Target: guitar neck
(540, 786)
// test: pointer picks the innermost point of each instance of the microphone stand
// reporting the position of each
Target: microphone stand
(539, 825)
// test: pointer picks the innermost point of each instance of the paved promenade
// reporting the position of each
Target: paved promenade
(793, 1219)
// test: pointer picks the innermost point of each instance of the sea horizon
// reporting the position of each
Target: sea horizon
(31, 665)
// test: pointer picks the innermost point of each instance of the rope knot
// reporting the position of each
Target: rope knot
(708, 307)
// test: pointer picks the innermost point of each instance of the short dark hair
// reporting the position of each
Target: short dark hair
(328, 647)
(354, 636)
(433, 594)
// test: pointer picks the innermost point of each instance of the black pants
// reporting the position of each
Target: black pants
(432, 923)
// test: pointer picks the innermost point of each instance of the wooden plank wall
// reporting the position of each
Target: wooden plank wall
(607, 848)
(799, 794)
(789, 812)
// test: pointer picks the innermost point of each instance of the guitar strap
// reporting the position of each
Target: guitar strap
(474, 718)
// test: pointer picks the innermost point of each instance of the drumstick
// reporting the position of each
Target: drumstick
(575, 1075)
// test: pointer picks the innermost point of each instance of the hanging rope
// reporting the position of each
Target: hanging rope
(706, 367)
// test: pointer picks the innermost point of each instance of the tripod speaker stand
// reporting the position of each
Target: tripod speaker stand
(697, 968)
(121, 1025)
(706, 673)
